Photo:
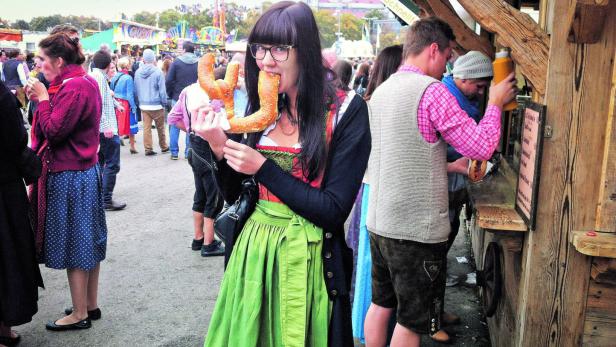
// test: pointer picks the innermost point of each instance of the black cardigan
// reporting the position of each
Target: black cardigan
(327, 207)
(13, 136)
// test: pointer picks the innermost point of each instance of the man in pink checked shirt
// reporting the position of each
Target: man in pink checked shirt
(412, 118)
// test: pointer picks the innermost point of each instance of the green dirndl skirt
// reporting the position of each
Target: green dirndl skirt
(273, 292)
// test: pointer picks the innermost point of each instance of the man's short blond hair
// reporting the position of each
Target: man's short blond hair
(123, 63)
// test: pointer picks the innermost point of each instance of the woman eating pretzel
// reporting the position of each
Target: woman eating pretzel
(288, 278)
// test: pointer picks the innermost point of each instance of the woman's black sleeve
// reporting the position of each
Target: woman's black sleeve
(12, 131)
(329, 206)
(229, 181)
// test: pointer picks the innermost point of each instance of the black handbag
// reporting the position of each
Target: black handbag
(29, 165)
(229, 223)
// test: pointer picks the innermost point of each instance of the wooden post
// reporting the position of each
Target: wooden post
(606, 207)
(555, 276)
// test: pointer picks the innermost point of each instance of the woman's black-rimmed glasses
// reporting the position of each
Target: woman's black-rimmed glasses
(280, 53)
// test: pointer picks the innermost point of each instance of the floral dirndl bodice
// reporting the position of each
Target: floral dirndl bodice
(288, 159)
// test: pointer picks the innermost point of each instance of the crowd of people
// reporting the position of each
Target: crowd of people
(392, 137)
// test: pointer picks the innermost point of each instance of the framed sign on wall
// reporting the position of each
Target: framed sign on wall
(530, 162)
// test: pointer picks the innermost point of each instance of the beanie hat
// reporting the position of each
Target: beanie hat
(149, 56)
(472, 65)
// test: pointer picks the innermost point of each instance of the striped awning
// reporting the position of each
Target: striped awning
(11, 35)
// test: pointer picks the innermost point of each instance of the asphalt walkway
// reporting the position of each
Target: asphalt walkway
(155, 291)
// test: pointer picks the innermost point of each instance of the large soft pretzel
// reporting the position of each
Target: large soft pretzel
(218, 89)
(266, 115)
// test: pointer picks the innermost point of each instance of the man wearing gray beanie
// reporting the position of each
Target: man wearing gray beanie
(151, 94)
(469, 78)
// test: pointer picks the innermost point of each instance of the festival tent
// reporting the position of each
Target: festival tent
(236, 46)
(93, 43)
(353, 49)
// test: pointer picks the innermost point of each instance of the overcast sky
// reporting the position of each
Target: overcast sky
(105, 9)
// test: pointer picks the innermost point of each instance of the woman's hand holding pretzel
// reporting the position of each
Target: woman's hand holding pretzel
(242, 158)
(206, 124)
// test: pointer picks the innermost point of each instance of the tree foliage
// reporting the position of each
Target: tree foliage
(45, 22)
(327, 21)
(168, 18)
(21, 24)
(245, 26)
(351, 26)
(145, 17)
(327, 24)
(375, 14)
(389, 39)
(238, 17)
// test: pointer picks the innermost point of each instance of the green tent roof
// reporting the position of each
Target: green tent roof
(93, 43)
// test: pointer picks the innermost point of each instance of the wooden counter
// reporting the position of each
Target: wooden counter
(493, 199)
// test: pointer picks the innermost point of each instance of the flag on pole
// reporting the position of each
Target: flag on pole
(366, 33)
(378, 37)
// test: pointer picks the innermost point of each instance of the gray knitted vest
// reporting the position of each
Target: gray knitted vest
(408, 176)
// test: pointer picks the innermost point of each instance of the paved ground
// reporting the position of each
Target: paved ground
(155, 291)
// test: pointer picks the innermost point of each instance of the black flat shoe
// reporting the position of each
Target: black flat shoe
(84, 324)
(114, 206)
(214, 249)
(94, 314)
(196, 245)
(9, 341)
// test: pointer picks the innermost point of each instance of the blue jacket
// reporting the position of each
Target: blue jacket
(11, 76)
(123, 88)
(181, 74)
(150, 86)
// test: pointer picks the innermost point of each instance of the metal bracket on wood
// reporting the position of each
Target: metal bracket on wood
(548, 131)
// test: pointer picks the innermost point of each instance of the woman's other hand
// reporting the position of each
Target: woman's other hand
(242, 158)
(206, 124)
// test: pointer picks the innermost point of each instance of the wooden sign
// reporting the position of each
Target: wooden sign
(530, 161)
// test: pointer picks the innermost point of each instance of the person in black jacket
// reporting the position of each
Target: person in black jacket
(19, 271)
(288, 278)
(181, 74)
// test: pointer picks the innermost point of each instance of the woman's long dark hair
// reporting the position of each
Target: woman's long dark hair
(281, 24)
(387, 62)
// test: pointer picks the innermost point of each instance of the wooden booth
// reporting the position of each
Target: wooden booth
(544, 227)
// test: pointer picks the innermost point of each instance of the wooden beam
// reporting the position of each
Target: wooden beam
(465, 37)
(425, 7)
(603, 271)
(586, 20)
(595, 244)
(528, 42)
(606, 207)
(555, 276)
(601, 315)
(599, 331)
(601, 299)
